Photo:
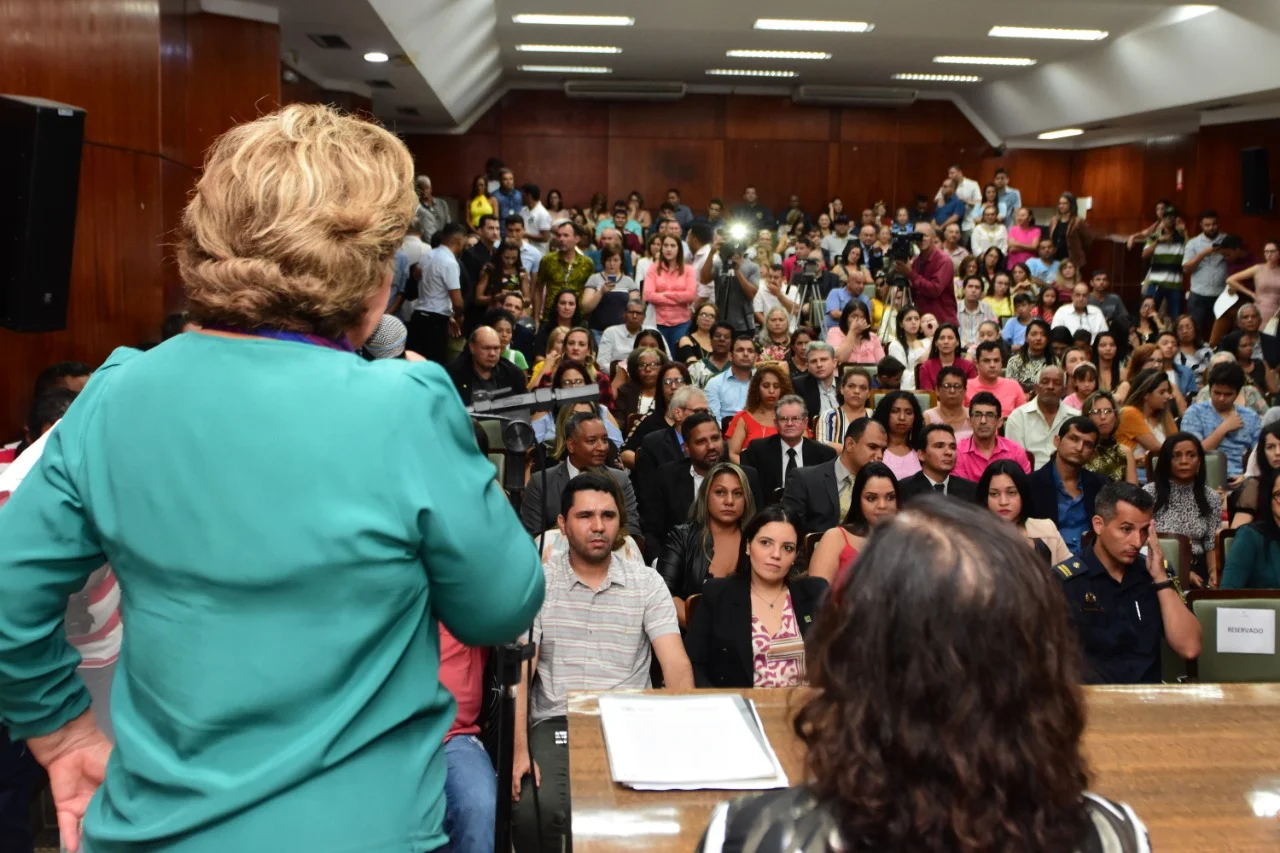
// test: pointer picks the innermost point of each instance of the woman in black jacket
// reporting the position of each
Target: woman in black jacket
(748, 629)
(707, 546)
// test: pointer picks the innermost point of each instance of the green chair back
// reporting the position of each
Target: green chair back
(1215, 469)
(1177, 552)
(1228, 667)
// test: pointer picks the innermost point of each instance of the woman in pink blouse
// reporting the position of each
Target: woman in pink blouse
(1023, 238)
(670, 285)
(853, 340)
(726, 650)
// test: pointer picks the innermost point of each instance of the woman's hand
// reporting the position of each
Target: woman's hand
(75, 757)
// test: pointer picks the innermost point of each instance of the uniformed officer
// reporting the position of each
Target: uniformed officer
(1123, 604)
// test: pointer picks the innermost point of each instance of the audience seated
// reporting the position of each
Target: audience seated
(1122, 602)
(709, 544)
(990, 361)
(1025, 365)
(938, 454)
(749, 628)
(757, 418)
(638, 395)
(1063, 491)
(617, 341)
(662, 443)
(481, 367)
(718, 359)
(946, 630)
(1185, 505)
(952, 389)
(986, 445)
(586, 446)
(853, 394)
(819, 496)
(818, 385)
(727, 392)
(900, 415)
(1145, 420)
(778, 456)
(1264, 459)
(1005, 489)
(470, 786)
(1221, 424)
(1111, 459)
(1034, 425)
(874, 498)
(634, 621)
(1254, 559)
(945, 352)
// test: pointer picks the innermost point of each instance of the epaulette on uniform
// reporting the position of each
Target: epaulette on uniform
(1067, 569)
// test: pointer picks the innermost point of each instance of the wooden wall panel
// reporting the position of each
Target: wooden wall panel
(1219, 179)
(868, 173)
(452, 161)
(695, 117)
(577, 166)
(776, 169)
(652, 166)
(773, 117)
(550, 113)
(1041, 175)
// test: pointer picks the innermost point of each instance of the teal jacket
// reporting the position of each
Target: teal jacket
(287, 523)
(1252, 562)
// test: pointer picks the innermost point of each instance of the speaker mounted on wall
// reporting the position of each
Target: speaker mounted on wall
(1255, 181)
(39, 187)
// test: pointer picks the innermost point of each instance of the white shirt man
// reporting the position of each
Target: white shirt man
(537, 222)
(968, 191)
(1080, 315)
(617, 342)
(1034, 425)
(440, 274)
(774, 293)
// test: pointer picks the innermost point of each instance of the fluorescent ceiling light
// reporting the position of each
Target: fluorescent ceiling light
(1044, 33)
(576, 20)
(814, 26)
(375, 56)
(748, 72)
(940, 78)
(566, 69)
(566, 48)
(985, 60)
(1061, 134)
(777, 54)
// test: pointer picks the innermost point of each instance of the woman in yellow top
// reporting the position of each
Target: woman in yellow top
(481, 203)
(1000, 295)
(1145, 421)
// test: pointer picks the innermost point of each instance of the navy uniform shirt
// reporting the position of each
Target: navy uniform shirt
(1119, 623)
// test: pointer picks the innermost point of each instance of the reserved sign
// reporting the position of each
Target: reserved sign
(1246, 631)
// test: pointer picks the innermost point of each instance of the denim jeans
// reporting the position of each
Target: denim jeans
(1171, 296)
(471, 796)
(673, 334)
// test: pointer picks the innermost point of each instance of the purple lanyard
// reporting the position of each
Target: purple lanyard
(341, 344)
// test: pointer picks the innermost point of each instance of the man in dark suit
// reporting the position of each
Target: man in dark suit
(815, 493)
(937, 461)
(779, 455)
(675, 485)
(1063, 491)
(818, 385)
(666, 445)
(481, 367)
(587, 444)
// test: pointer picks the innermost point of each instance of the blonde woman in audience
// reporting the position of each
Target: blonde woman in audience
(1111, 459)
(770, 383)
(774, 339)
(1005, 489)
(1143, 357)
(873, 502)
(852, 393)
(546, 366)
(1145, 421)
(1068, 277)
(910, 346)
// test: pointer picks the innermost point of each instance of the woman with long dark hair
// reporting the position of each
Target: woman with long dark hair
(900, 415)
(671, 379)
(480, 202)
(1184, 504)
(946, 714)
(798, 360)
(853, 339)
(1025, 365)
(873, 501)
(1145, 420)
(638, 395)
(1264, 459)
(1108, 349)
(1254, 561)
(728, 650)
(1005, 489)
(555, 203)
(944, 352)
(710, 543)
(566, 315)
(910, 345)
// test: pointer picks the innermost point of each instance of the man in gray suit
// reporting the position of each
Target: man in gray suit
(586, 443)
(813, 493)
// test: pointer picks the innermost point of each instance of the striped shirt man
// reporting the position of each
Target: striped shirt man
(597, 639)
(1166, 262)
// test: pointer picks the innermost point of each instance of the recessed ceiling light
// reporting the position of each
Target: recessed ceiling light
(1061, 134)
(940, 78)
(985, 60)
(748, 72)
(375, 56)
(777, 54)
(576, 20)
(566, 69)
(1046, 33)
(814, 26)
(566, 48)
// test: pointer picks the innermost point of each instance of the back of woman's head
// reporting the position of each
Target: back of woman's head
(947, 713)
(295, 222)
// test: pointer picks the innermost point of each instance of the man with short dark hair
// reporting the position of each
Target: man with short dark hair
(1015, 328)
(1080, 314)
(537, 219)
(990, 363)
(564, 269)
(607, 618)
(651, 452)
(889, 373)
(530, 254)
(986, 445)
(932, 277)
(1110, 304)
(833, 245)
(704, 370)
(1220, 423)
(803, 260)
(628, 229)
(715, 211)
(727, 393)
(973, 310)
(953, 246)
(510, 200)
(1044, 267)
(779, 456)
(1165, 249)
(1008, 199)
(437, 312)
(1124, 604)
(586, 446)
(1064, 491)
(820, 495)
(752, 211)
(937, 473)
(481, 367)
(1205, 262)
(683, 214)
(948, 208)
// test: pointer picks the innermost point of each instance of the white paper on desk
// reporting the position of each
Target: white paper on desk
(1246, 631)
(1223, 303)
(687, 743)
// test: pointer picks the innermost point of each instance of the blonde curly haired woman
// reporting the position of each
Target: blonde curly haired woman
(279, 686)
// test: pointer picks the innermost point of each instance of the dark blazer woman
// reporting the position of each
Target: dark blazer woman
(719, 638)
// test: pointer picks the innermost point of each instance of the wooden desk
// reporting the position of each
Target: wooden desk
(1188, 758)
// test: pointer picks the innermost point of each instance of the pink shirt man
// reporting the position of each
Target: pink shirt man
(1007, 391)
(970, 462)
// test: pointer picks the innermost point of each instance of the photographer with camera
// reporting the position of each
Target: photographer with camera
(931, 275)
(731, 278)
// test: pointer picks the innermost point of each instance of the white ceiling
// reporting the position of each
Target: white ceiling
(1160, 65)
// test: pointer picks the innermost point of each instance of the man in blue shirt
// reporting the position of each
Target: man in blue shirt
(1220, 424)
(952, 208)
(1063, 491)
(1008, 199)
(510, 199)
(727, 392)
(1044, 269)
(839, 297)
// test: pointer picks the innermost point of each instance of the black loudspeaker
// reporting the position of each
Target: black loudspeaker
(39, 184)
(1255, 181)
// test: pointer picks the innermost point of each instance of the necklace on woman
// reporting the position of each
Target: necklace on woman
(775, 598)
